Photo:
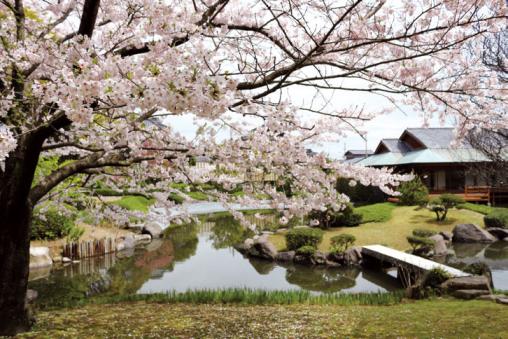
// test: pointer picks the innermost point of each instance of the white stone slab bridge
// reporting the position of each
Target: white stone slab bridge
(409, 267)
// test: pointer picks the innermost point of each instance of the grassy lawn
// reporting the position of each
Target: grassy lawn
(134, 203)
(419, 319)
(480, 208)
(376, 212)
(394, 231)
(197, 195)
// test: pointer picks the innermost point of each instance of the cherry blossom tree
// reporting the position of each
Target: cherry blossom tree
(91, 81)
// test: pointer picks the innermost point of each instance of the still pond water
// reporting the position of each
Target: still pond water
(202, 257)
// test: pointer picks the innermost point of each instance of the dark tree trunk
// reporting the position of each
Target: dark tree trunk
(15, 223)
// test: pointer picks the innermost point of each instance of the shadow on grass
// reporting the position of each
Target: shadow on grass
(418, 218)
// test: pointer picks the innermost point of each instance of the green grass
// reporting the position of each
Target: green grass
(381, 212)
(134, 203)
(413, 319)
(483, 209)
(393, 232)
(255, 297)
(197, 195)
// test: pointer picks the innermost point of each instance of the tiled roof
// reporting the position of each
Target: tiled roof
(395, 145)
(435, 137)
(359, 152)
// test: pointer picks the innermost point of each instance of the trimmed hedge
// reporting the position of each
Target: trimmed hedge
(419, 242)
(299, 237)
(497, 218)
(420, 232)
(307, 251)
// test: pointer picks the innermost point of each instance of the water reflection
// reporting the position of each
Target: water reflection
(495, 255)
(196, 256)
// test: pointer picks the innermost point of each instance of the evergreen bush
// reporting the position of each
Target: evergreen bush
(443, 203)
(299, 237)
(497, 218)
(51, 224)
(342, 242)
(420, 232)
(413, 192)
(307, 251)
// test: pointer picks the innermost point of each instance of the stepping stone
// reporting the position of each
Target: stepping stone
(469, 294)
(503, 300)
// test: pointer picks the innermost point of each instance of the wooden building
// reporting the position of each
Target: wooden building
(442, 165)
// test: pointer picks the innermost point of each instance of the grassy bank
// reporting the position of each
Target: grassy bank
(134, 203)
(246, 296)
(393, 232)
(421, 319)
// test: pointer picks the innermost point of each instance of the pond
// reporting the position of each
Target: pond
(495, 255)
(201, 256)
(196, 256)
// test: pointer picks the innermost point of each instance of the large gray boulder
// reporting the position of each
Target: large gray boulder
(125, 243)
(153, 229)
(141, 239)
(475, 282)
(440, 245)
(39, 257)
(245, 247)
(263, 248)
(466, 233)
(353, 256)
(498, 232)
(285, 256)
(319, 258)
(447, 235)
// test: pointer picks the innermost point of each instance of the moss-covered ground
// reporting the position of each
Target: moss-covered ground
(393, 231)
(420, 319)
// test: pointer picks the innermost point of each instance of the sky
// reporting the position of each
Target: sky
(390, 125)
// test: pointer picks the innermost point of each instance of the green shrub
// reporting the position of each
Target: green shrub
(307, 251)
(176, 198)
(443, 203)
(435, 277)
(342, 242)
(51, 225)
(359, 193)
(75, 233)
(420, 232)
(413, 192)
(326, 218)
(299, 237)
(419, 243)
(348, 217)
(330, 218)
(497, 218)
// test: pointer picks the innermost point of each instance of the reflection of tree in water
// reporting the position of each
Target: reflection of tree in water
(497, 251)
(321, 279)
(184, 239)
(60, 290)
(227, 231)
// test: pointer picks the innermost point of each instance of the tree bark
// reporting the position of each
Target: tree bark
(15, 223)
